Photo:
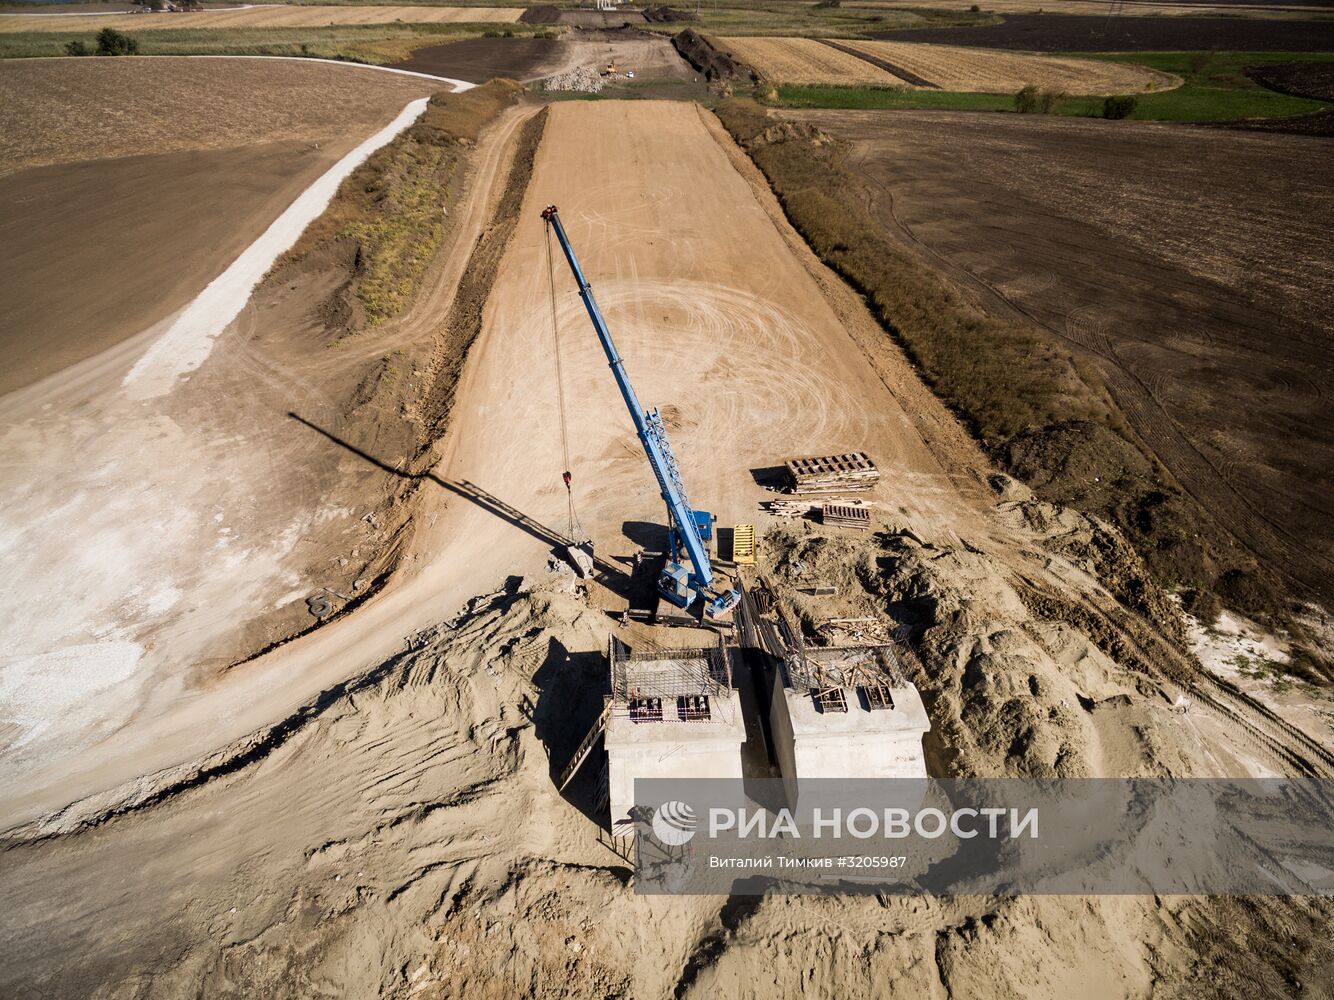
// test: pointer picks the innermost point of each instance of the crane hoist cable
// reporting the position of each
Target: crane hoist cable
(576, 530)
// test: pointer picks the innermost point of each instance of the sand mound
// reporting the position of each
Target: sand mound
(401, 834)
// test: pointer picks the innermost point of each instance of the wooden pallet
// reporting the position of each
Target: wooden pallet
(832, 473)
(841, 515)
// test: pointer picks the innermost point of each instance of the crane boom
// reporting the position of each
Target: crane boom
(685, 522)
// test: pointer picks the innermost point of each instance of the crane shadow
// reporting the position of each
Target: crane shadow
(609, 575)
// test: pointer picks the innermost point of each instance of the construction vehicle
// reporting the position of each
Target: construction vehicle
(688, 529)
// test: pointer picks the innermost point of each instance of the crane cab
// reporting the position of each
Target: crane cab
(674, 584)
(678, 585)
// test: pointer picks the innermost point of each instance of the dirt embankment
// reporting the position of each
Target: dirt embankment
(348, 289)
(663, 14)
(400, 833)
(702, 54)
(410, 815)
(1042, 411)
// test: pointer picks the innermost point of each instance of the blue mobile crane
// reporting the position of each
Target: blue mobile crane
(687, 528)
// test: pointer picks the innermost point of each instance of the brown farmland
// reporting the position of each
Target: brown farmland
(1094, 31)
(1194, 268)
(946, 67)
(951, 67)
(187, 181)
(1095, 8)
(273, 16)
(805, 60)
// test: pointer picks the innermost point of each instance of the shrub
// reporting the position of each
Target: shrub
(1031, 100)
(78, 47)
(1119, 107)
(111, 42)
(976, 8)
(1049, 101)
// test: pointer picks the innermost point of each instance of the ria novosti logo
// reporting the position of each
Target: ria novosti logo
(674, 823)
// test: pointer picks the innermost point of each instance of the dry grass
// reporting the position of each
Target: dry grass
(62, 110)
(389, 207)
(265, 17)
(804, 60)
(989, 71)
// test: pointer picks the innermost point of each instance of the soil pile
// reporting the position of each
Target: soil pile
(541, 14)
(401, 835)
(697, 50)
(662, 14)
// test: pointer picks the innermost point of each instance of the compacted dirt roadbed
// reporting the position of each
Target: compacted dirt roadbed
(718, 321)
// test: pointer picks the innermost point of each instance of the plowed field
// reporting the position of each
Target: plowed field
(805, 60)
(990, 72)
(276, 16)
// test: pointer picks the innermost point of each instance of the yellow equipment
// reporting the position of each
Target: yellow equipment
(743, 544)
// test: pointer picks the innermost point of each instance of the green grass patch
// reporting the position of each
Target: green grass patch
(1214, 89)
(874, 98)
(377, 44)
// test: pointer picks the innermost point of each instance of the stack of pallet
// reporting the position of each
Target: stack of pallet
(849, 473)
(842, 515)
